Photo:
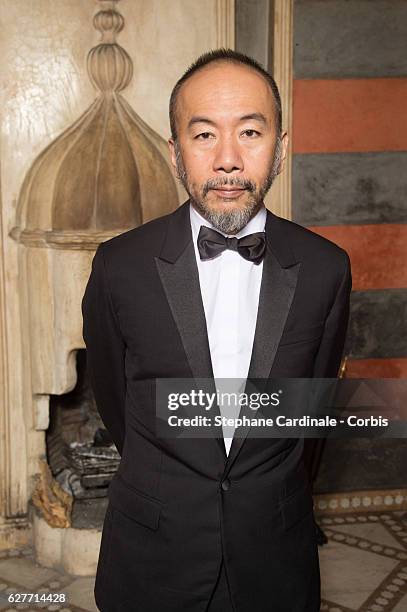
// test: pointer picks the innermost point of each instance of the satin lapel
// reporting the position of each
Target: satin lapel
(279, 280)
(179, 275)
(181, 284)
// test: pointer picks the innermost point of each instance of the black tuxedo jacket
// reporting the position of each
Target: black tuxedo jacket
(177, 505)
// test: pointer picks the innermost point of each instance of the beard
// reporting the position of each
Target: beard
(233, 220)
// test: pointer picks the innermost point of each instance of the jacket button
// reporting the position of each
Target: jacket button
(225, 484)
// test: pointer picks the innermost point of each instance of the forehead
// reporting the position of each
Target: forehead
(224, 90)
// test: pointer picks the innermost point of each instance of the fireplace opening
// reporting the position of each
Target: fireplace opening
(80, 452)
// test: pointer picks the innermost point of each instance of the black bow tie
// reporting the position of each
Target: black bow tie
(211, 243)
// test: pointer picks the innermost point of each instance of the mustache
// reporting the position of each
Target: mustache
(232, 182)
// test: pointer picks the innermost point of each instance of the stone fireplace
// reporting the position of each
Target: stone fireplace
(92, 182)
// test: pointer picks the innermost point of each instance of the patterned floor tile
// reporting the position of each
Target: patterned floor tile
(364, 564)
(361, 571)
(25, 572)
(375, 532)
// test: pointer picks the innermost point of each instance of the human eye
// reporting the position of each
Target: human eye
(203, 136)
(250, 133)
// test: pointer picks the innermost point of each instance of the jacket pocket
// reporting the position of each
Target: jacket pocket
(296, 506)
(134, 504)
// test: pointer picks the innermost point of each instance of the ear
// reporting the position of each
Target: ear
(171, 146)
(284, 151)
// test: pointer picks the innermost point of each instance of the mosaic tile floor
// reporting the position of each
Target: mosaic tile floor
(364, 564)
(363, 569)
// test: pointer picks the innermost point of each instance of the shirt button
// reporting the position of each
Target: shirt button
(225, 484)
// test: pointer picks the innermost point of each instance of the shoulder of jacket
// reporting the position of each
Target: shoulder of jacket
(142, 238)
(309, 245)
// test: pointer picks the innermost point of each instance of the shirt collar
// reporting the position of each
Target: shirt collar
(256, 223)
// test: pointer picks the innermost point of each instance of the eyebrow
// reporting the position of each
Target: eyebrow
(251, 116)
(255, 116)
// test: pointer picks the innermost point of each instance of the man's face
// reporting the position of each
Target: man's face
(227, 151)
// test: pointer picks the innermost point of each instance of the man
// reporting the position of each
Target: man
(219, 288)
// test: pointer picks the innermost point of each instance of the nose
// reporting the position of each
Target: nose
(228, 157)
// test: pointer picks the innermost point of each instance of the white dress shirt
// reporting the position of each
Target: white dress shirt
(230, 288)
